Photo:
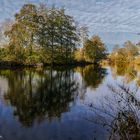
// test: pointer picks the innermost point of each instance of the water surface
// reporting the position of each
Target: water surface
(59, 103)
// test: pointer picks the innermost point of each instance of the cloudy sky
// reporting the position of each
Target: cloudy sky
(112, 19)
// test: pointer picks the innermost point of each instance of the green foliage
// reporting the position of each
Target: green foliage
(41, 34)
(48, 35)
(94, 50)
(124, 55)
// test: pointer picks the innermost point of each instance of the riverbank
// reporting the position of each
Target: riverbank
(14, 64)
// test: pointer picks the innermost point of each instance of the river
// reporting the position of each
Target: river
(64, 103)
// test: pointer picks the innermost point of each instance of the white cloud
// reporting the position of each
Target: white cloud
(98, 15)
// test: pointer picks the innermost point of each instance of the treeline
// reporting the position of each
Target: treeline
(129, 53)
(93, 50)
(41, 34)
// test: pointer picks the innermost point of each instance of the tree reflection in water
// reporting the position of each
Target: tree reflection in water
(36, 96)
(120, 115)
(127, 71)
(92, 75)
(46, 94)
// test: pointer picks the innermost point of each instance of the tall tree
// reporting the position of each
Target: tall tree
(47, 33)
(23, 32)
(94, 49)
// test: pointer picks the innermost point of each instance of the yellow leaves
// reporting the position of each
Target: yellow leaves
(94, 49)
(79, 54)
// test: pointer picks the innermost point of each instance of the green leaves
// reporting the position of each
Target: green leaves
(94, 50)
(38, 27)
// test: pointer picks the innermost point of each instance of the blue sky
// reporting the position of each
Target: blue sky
(101, 16)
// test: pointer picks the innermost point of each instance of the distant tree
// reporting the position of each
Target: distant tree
(125, 54)
(94, 50)
(131, 49)
(116, 48)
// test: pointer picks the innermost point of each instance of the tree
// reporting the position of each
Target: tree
(131, 50)
(94, 50)
(22, 35)
(83, 37)
(42, 34)
(60, 32)
(4, 26)
(126, 54)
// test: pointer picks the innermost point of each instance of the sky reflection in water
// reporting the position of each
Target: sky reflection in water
(55, 104)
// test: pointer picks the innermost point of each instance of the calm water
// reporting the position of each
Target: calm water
(60, 103)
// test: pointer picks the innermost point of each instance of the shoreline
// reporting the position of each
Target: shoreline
(15, 65)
